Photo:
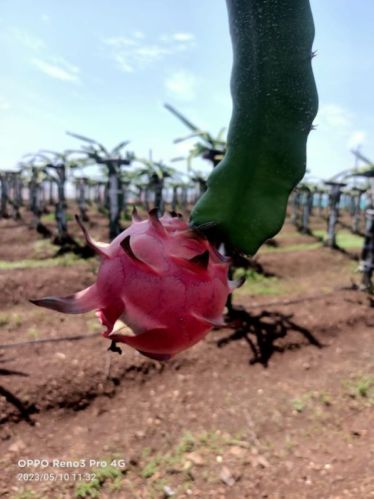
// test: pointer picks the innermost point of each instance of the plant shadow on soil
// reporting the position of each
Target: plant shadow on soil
(261, 331)
(13, 399)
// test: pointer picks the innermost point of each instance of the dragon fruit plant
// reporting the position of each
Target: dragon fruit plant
(274, 103)
(162, 277)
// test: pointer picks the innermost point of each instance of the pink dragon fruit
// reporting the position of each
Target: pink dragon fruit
(161, 279)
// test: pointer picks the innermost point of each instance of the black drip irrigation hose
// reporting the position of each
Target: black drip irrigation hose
(49, 340)
(255, 305)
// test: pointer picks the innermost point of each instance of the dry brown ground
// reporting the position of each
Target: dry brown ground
(209, 423)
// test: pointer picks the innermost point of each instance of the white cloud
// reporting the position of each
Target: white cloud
(150, 53)
(123, 63)
(26, 39)
(58, 69)
(338, 123)
(184, 37)
(120, 42)
(131, 52)
(334, 116)
(180, 39)
(182, 84)
(4, 104)
(139, 35)
(356, 139)
(53, 67)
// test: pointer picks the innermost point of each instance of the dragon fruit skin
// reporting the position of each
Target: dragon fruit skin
(160, 278)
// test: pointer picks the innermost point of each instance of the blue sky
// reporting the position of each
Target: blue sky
(105, 70)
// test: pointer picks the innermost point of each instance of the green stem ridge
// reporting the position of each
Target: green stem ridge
(274, 103)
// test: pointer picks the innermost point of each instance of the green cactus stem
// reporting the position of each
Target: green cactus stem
(274, 104)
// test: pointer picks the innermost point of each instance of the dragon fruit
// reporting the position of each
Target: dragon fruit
(161, 287)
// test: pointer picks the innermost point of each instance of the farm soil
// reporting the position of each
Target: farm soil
(284, 411)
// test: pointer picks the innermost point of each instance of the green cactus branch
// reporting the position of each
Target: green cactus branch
(274, 104)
